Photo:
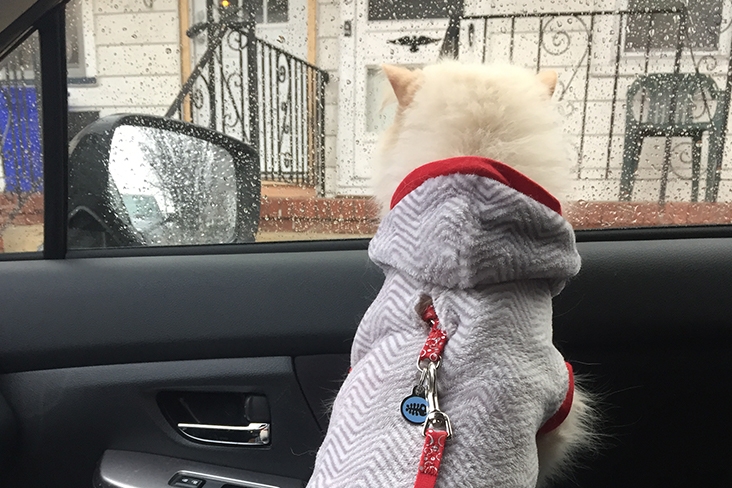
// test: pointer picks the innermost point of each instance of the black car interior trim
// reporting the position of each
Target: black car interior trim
(70, 416)
(310, 303)
(645, 323)
(17, 27)
(54, 101)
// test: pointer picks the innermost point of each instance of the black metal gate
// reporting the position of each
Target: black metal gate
(252, 90)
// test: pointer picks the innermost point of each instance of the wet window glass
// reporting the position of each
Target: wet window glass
(660, 30)
(270, 11)
(75, 40)
(379, 112)
(277, 11)
(21, 157)
(293, 91)
(413, 9)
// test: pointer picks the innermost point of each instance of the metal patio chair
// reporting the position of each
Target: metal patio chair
(673, 105)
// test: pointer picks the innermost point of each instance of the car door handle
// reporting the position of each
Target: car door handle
(252, 434)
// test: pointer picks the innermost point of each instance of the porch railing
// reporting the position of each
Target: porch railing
(597, 63)
(252, 90)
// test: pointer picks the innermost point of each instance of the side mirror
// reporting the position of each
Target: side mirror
(139, 180)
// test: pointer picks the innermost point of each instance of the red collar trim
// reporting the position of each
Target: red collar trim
(474, 165)
(561, 414)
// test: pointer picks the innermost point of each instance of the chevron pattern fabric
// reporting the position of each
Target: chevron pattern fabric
(491, 259)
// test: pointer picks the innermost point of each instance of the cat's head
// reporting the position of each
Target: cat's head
(450, 109)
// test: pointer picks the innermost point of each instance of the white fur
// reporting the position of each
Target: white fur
(500, 112)
(575, 436)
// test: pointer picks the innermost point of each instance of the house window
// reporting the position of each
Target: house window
(276, 11)
(380, 111)
(660, 31)
(378, 115)
(74, 40)
(413, 9)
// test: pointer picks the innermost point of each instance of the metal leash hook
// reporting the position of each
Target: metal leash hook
(436, 426)
(436, 418)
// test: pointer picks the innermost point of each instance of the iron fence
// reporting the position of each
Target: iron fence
(599, 55)
(291, 104)
(252, 90)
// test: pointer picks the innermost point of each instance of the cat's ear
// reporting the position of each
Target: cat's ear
(402, 81)
(549, 78)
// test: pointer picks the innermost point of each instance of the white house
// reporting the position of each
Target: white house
(597, 56)
(133, 56)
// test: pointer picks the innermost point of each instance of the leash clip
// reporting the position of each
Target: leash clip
(436, 418)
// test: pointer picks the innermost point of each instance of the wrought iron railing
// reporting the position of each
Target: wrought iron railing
(598, 61)
(252, 90)
(292, 113)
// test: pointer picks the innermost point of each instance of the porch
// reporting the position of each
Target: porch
(254, 91)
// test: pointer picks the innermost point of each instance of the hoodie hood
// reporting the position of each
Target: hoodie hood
(471, 221)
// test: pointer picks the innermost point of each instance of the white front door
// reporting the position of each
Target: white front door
(284, 24)
(279, 22)
(409, 34)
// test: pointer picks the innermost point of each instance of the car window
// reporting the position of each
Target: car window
(643, 93)
(21, 158)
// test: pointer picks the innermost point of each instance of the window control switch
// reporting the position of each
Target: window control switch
(185, 481)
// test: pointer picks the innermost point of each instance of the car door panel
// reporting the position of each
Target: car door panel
(7, 432)
(320, 376)
(122, 310)
(651, 291)
(197, 307)
(70, 416)
(645, 324)
(123, 469)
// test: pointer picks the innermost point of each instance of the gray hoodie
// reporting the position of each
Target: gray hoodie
(490, 248)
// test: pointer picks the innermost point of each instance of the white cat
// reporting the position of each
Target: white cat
(473, 247)
(502, 112)
(498, 111)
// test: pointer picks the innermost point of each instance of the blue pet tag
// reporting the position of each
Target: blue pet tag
(414, 409)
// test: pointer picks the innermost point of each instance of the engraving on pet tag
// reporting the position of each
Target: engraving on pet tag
(414, 408)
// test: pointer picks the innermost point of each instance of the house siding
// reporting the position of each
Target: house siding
(328, 58)
(136, 57)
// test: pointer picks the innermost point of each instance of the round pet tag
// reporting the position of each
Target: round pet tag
(414, 409)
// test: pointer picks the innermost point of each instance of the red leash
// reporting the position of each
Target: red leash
(437, 429)
(436, 424)
(429, 462)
